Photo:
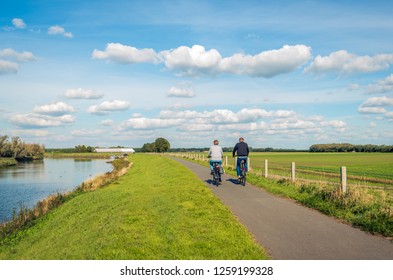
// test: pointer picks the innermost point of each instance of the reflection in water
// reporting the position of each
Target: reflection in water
(28, 183)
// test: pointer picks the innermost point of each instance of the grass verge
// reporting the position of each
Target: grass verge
(157, 210)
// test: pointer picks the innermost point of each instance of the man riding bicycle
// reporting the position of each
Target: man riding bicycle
(242, 151)
(216, 154)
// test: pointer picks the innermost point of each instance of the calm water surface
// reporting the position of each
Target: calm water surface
(28, 183)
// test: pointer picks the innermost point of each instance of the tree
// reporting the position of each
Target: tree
(18, 149)
(148, 148)
(162, 145)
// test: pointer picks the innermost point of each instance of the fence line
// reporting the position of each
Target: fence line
(343, 178)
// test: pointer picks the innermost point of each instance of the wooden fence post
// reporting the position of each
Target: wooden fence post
(266, 164)
(249, 163)
(226, 161)
(293, 171)
(343, 176)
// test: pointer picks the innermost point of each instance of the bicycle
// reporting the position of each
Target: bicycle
(216, 174)
(243, 173)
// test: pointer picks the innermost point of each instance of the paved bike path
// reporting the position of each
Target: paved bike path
(289, 231)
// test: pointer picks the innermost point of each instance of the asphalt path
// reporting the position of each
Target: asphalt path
(290, 231)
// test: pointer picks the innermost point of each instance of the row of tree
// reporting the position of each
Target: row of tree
(84, 149)
(346, 147)
(19, 150)
(161, 145)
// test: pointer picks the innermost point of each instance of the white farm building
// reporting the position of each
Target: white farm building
(115, 150)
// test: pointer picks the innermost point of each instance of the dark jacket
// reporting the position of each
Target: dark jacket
(242, 149)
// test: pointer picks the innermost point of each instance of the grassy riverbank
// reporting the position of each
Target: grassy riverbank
(157, 210)
(5, 162)
(78, 155)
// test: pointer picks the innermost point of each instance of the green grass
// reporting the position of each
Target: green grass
(6, 162)
(371, 165)
(78, 155)
(158, 210)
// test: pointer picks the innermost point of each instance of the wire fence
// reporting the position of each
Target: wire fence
(341, 176)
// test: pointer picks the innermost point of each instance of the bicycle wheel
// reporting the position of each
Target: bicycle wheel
(243, 180)
(216, 179)
(243, 173)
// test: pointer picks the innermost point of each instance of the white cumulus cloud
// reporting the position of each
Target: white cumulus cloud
(371, 110)
(268, 63)
(109, 106)
(13, 55)
(55, 109)
(81, 93)
(181, 90)
(58, 30)
(19, 23)
(10, 59)
(8, 67)
(381, 86)
(146, 123)
(378, 101)
(192, 61)
(375, 105)
(197, 61)
(40, 121)
(342, 61)
(126, 54)
(248, 122)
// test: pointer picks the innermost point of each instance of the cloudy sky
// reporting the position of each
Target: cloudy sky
(282, 74)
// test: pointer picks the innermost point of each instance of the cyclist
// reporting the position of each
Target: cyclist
(216, 154)
(242, 151)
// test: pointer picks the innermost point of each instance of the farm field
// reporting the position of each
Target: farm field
(362, 168)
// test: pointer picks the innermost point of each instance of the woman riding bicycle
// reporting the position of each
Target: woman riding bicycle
(242, 151)
(215, 154)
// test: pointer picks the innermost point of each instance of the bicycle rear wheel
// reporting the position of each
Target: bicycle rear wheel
(243, 180)
(243, 173)
(216, 178)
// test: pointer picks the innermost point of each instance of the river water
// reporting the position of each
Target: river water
(28, 183)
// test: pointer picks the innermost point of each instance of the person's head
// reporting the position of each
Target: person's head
(215, 142)
(241, 139)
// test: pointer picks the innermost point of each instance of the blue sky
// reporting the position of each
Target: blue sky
(282, 74)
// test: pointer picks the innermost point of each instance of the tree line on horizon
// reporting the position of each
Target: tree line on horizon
(347, 147)
(161, 145)
(19, 150)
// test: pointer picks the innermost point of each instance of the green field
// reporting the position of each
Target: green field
(158, 210)
(362, 168)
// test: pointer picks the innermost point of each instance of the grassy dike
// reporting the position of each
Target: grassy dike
(157, 210)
